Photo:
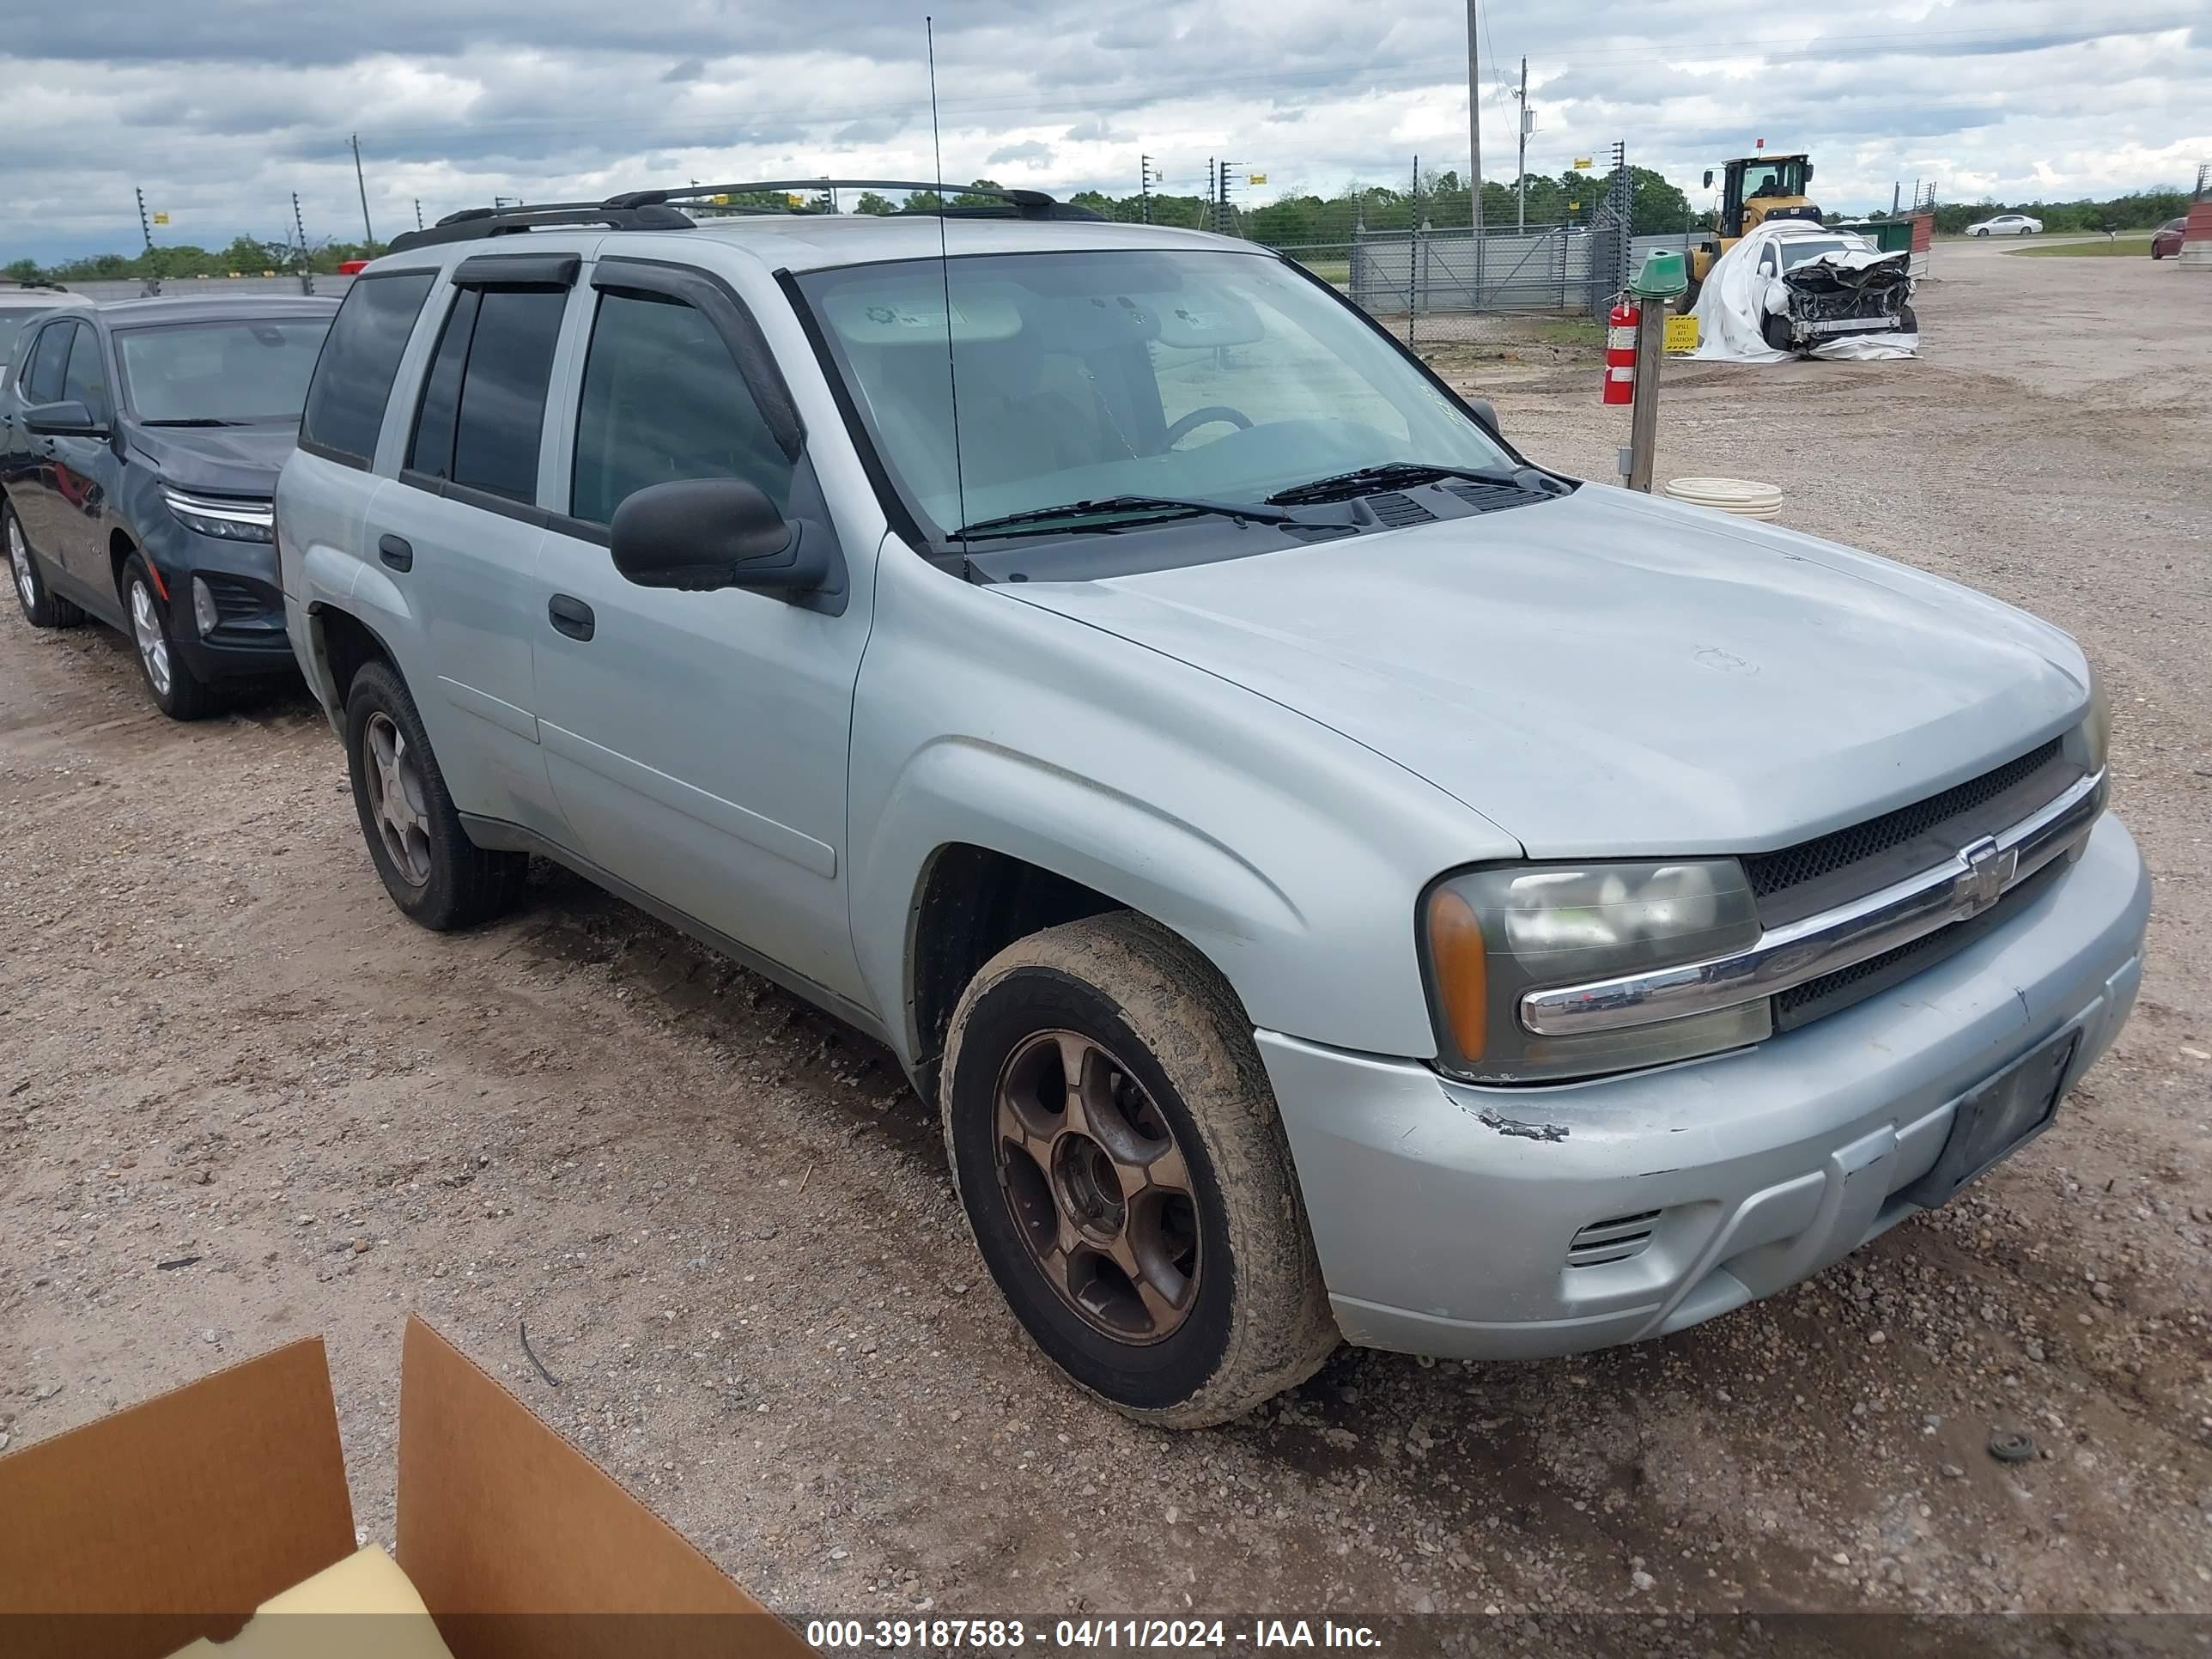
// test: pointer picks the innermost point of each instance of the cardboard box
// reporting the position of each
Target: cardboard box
(132, 1536)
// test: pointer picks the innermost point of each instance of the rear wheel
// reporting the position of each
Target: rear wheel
(40, 608)
(1909, 320)
(435, 874)
(1775, 330)
(1116, 1147)
(181, 694)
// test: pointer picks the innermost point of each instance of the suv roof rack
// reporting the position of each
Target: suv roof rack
(655, 209)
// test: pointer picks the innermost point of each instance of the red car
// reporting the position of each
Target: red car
(2166, 240)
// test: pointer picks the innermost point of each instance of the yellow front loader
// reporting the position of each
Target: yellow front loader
(1756, 188)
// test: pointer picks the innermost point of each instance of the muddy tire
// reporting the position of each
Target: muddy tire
(435, 874)
(39, 607)
(1116, 1147)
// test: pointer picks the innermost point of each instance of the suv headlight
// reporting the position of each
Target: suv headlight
(1489, 936)
(2097, 725)
(226, 519)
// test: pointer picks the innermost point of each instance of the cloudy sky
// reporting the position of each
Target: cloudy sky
(221, 108)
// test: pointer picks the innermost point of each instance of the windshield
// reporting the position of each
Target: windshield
(1795, 252)
(249, 370)
(1094, 374)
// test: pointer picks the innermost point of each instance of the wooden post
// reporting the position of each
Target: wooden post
(1644, 418)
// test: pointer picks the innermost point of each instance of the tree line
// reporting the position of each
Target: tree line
(1438, 199)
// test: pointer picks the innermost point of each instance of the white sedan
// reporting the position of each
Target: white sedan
(2006, 224)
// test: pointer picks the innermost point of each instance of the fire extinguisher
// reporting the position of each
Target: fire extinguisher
(1620, 324)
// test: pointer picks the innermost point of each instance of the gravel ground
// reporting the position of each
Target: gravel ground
(242, 1100)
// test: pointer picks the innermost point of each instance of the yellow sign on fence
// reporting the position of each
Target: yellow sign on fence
(1681, 334)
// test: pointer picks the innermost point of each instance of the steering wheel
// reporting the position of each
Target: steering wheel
(1205, 416)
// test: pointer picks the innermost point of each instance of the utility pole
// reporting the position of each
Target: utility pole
(1473, 120)
(1520, 156)
(367, 236)
(299, 234)
(1213, 193)
(1224, 216)
(1895, 186)
(1148, 176)
(418, 213)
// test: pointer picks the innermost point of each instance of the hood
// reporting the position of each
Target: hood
(225, 461)
(1612, 673)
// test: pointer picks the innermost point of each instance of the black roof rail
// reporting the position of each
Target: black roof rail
(43, 286)
(656, 209)
(471, 224)
(1024, 203)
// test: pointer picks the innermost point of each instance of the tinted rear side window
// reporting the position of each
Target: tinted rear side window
(502, 412)
(431, 448)
(353, 379)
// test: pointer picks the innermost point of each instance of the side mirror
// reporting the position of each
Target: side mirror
(699, 534)
(67, 419)
(1709, 178)
(1809, 173)
(1486, 412)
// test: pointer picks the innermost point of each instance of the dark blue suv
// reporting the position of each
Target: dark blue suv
(139, 447)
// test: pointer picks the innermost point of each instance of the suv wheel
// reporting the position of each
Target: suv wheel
(435, 874)
(182, 694)
(1116, 1147)
(40, 608)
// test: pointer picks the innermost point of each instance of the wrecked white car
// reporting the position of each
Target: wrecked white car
(1795, 288)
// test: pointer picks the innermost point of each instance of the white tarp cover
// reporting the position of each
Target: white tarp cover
(1737, 296)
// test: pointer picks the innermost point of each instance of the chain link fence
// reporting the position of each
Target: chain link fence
(1450, 286)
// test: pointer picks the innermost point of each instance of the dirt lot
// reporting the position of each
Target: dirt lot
(728, 1226)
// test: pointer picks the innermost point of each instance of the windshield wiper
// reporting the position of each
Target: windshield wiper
(193, 419)
(1013, 523)
(1396, 475)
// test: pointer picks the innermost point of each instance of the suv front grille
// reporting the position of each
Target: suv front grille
(1831, 994)
(1832, 869)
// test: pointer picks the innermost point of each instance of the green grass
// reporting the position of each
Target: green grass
(1337, 271)
(2137, 245)
(1571, 331)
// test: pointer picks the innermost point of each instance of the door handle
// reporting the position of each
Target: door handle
(572, 617)
(396, 551)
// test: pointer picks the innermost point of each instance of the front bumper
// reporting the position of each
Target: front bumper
(249, 637)
(1444, 1214)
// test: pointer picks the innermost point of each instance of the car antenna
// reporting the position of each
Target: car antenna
(944, 270)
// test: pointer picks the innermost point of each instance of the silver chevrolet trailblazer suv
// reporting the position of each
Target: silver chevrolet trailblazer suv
(1336, 878)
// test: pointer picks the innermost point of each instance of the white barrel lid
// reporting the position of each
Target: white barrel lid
(1746, 496)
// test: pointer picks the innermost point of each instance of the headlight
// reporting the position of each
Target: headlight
(2096, 725)
(1493, 935)
(231, 520)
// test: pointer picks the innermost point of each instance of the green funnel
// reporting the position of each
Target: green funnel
(1665, 274)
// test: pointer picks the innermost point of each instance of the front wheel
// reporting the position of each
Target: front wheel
(435, 874)
(180, 694)
(1117, 1150)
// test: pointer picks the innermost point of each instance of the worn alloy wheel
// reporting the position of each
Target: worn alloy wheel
(182, 694)
(1125, 1175)
(40, 608)
(18, 555)
(395, 795)
(1101, 1194)
(152, 643)
(433, 873)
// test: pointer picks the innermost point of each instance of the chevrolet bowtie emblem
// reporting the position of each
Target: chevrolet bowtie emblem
(1989, 872)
